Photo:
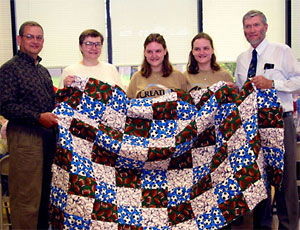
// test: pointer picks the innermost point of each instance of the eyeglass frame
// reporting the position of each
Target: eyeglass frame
(32, 37)
(92, 44)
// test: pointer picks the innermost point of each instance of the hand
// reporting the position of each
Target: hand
(69, 80)
(261, 82)
(232, 85)
(48, 119)
(3, 130)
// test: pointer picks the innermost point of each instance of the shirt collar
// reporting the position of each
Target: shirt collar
(28, 57)
(260, 48)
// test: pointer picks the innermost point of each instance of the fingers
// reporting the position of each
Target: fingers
(261, 82)
(48, 119)
(69, 80)
(232, 85)
(54, 118)
(53, 115)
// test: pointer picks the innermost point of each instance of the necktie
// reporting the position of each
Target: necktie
(253, 64)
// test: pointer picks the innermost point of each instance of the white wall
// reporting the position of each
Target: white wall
(296, 28)
(62, 21)
(133, 20)
(6, 51)
(222, 19)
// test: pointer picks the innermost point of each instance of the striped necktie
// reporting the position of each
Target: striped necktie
(253, 64)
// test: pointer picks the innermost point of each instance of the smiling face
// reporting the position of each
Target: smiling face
(202, 51)
(255, 30)
(154, 54)
(91, 48)
(32, 40)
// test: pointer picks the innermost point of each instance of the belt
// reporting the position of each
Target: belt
(287, 114)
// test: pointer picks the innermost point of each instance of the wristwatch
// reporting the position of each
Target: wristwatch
(273, 84)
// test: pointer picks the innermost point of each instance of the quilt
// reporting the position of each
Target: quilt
(180, 161)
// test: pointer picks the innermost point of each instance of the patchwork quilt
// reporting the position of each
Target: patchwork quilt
(180, 161)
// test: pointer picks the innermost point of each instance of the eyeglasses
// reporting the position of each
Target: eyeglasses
(31, 37)
(91, 44)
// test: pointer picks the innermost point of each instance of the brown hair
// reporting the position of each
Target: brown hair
(90, 33)
(192, 66)
(166, 65)
(28, 23)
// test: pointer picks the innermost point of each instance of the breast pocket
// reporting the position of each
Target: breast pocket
(274, 74)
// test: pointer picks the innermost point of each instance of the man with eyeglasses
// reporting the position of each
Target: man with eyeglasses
(26, 100)
(90, 45)
(277, 68)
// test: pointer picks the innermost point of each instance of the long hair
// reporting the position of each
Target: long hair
(166, 65)
(192, 66)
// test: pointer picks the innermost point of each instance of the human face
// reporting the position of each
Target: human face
(154, 54)
(32, 41)
(91, 51)
(202, 51)
(255, 30)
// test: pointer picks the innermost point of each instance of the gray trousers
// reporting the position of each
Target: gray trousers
(287, 196)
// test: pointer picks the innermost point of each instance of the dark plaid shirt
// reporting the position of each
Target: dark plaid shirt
(26, 90)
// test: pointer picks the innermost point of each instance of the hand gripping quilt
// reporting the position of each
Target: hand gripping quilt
(179, 161)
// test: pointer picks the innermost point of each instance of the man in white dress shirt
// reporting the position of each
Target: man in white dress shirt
(276, 68)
